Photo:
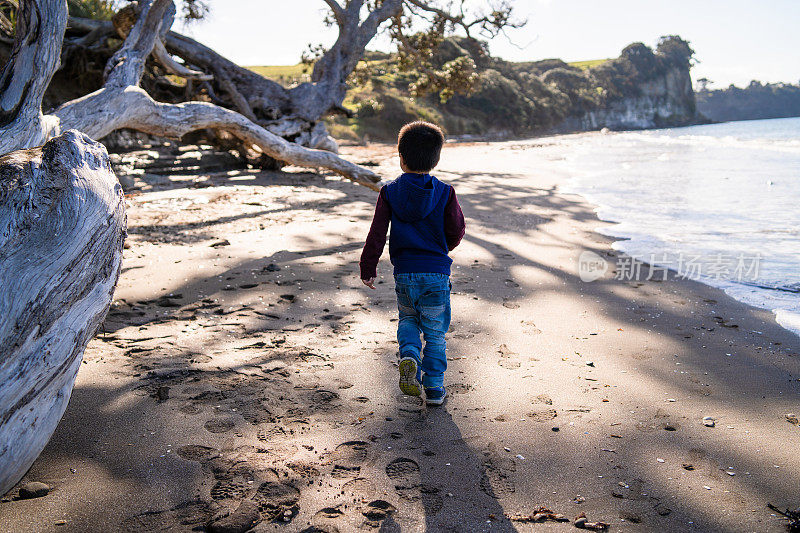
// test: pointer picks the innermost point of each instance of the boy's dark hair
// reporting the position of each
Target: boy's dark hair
(420, 144)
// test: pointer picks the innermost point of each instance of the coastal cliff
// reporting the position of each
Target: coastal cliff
(642, 88)
(666, 101)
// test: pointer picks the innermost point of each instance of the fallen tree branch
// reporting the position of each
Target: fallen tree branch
(133, 108)
(173, 67)
(240, 101)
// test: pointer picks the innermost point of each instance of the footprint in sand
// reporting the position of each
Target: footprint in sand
(228, 489)
(219, 425)
(188, 516)
(496, 480)
(377, 511)
(322, 397)
(542, 416)
(459, 388)
(303, 469)
(348, 457)
(359, 487)
(298, 426)
(427, 495)
(342, 384)
(508, 359)
(509, 364)
(277, 500)
(270, 433)
(417, 425)
(530, 328)
(255, 413)
(277, 439)
(328, 513)
(196, 452)
(404, 472)
(542, 398)
(431, 499)
(323, 521)
(189, 409)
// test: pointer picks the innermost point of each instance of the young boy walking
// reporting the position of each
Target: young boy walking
(426, 223)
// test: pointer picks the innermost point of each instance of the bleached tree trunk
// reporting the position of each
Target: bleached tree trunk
(62, 227)
(24, 79)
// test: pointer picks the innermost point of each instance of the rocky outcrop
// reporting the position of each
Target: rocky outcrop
(666, 101)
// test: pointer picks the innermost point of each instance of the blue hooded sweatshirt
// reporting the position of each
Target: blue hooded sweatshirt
(417, 240)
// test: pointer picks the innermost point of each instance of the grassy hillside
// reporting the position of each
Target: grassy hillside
(587, 64)
(284, 74)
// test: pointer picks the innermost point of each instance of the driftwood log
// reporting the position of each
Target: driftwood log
(62, 227)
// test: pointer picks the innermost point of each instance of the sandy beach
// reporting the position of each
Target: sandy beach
(245, 377)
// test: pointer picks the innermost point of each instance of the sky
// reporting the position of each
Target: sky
(735, 40)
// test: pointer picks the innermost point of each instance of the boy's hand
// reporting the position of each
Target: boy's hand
(369, 282)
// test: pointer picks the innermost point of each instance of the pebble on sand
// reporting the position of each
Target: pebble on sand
(35, 489)
(709, 421)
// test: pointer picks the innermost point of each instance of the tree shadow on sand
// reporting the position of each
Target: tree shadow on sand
(267, 400)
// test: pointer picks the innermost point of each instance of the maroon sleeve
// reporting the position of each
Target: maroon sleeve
(376, 238)
(454, 226)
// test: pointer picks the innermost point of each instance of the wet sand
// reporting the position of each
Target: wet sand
(245, 376)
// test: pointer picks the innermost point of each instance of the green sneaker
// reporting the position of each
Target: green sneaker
(408, 377)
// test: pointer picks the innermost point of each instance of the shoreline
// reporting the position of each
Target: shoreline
(628, 229)
(256, 369)
(789, 323)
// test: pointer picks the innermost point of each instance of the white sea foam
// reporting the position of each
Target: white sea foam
(708, 141)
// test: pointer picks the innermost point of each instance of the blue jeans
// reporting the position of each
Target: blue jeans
(423, 301)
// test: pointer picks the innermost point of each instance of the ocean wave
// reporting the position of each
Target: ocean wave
(791, 146)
